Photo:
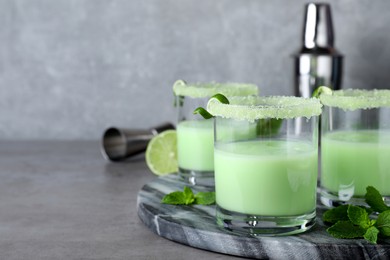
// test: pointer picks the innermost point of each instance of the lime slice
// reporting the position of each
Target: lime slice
(322, 90)
(161, 153)
(352, 99)
(201, 90)
(254, 107)
(204, 113)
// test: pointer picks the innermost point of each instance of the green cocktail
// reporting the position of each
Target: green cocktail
(266, 177)
(195, 142)
(195, 137)
(266, 184)
(353, 160)
(355, 145)
(195, 145)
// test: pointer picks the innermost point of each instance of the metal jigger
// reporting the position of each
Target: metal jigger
(119, 143)
(317, 63)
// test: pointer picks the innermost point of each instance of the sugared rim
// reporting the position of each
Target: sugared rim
(201, 90)
(251, 108)
(352, 99)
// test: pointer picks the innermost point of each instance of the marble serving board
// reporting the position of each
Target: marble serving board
(195, 226)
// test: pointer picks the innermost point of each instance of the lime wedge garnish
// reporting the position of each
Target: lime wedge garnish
(221, 98)
(352, 99)
(203, 112)
(322, 90)
(254, 107)
(161, 153)
(201, 90)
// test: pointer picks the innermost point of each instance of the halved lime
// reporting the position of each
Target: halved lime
(201, 90)
(254, 107)
(352, 99)
(161, 153)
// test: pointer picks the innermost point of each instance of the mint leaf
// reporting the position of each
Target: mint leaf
(205, 198)
(371, 235)
(383, 223)
(188, 195)
(358, 216)
(336, 214)
(375, 200)
(175, 198)
(346, 229)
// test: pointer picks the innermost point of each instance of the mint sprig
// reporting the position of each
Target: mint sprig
(349, 221)
(187, 197)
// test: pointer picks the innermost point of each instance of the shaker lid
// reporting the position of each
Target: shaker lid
(318, 27)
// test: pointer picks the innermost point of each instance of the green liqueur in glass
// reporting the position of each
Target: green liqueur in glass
(195, 135)
(266, 183)
(355, 145)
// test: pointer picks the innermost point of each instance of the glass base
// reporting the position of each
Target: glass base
(198, 178)
(333, 199)
(264, 225)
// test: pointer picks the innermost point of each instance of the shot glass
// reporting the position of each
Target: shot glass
(195, 136)
(355, 146)
(266, 183)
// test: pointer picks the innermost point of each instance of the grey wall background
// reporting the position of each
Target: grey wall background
(71, 68)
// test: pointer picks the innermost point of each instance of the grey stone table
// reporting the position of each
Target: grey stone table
(62, 200)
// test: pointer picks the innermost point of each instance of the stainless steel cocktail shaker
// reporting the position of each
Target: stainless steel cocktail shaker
(121, 143)
(317, 63)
